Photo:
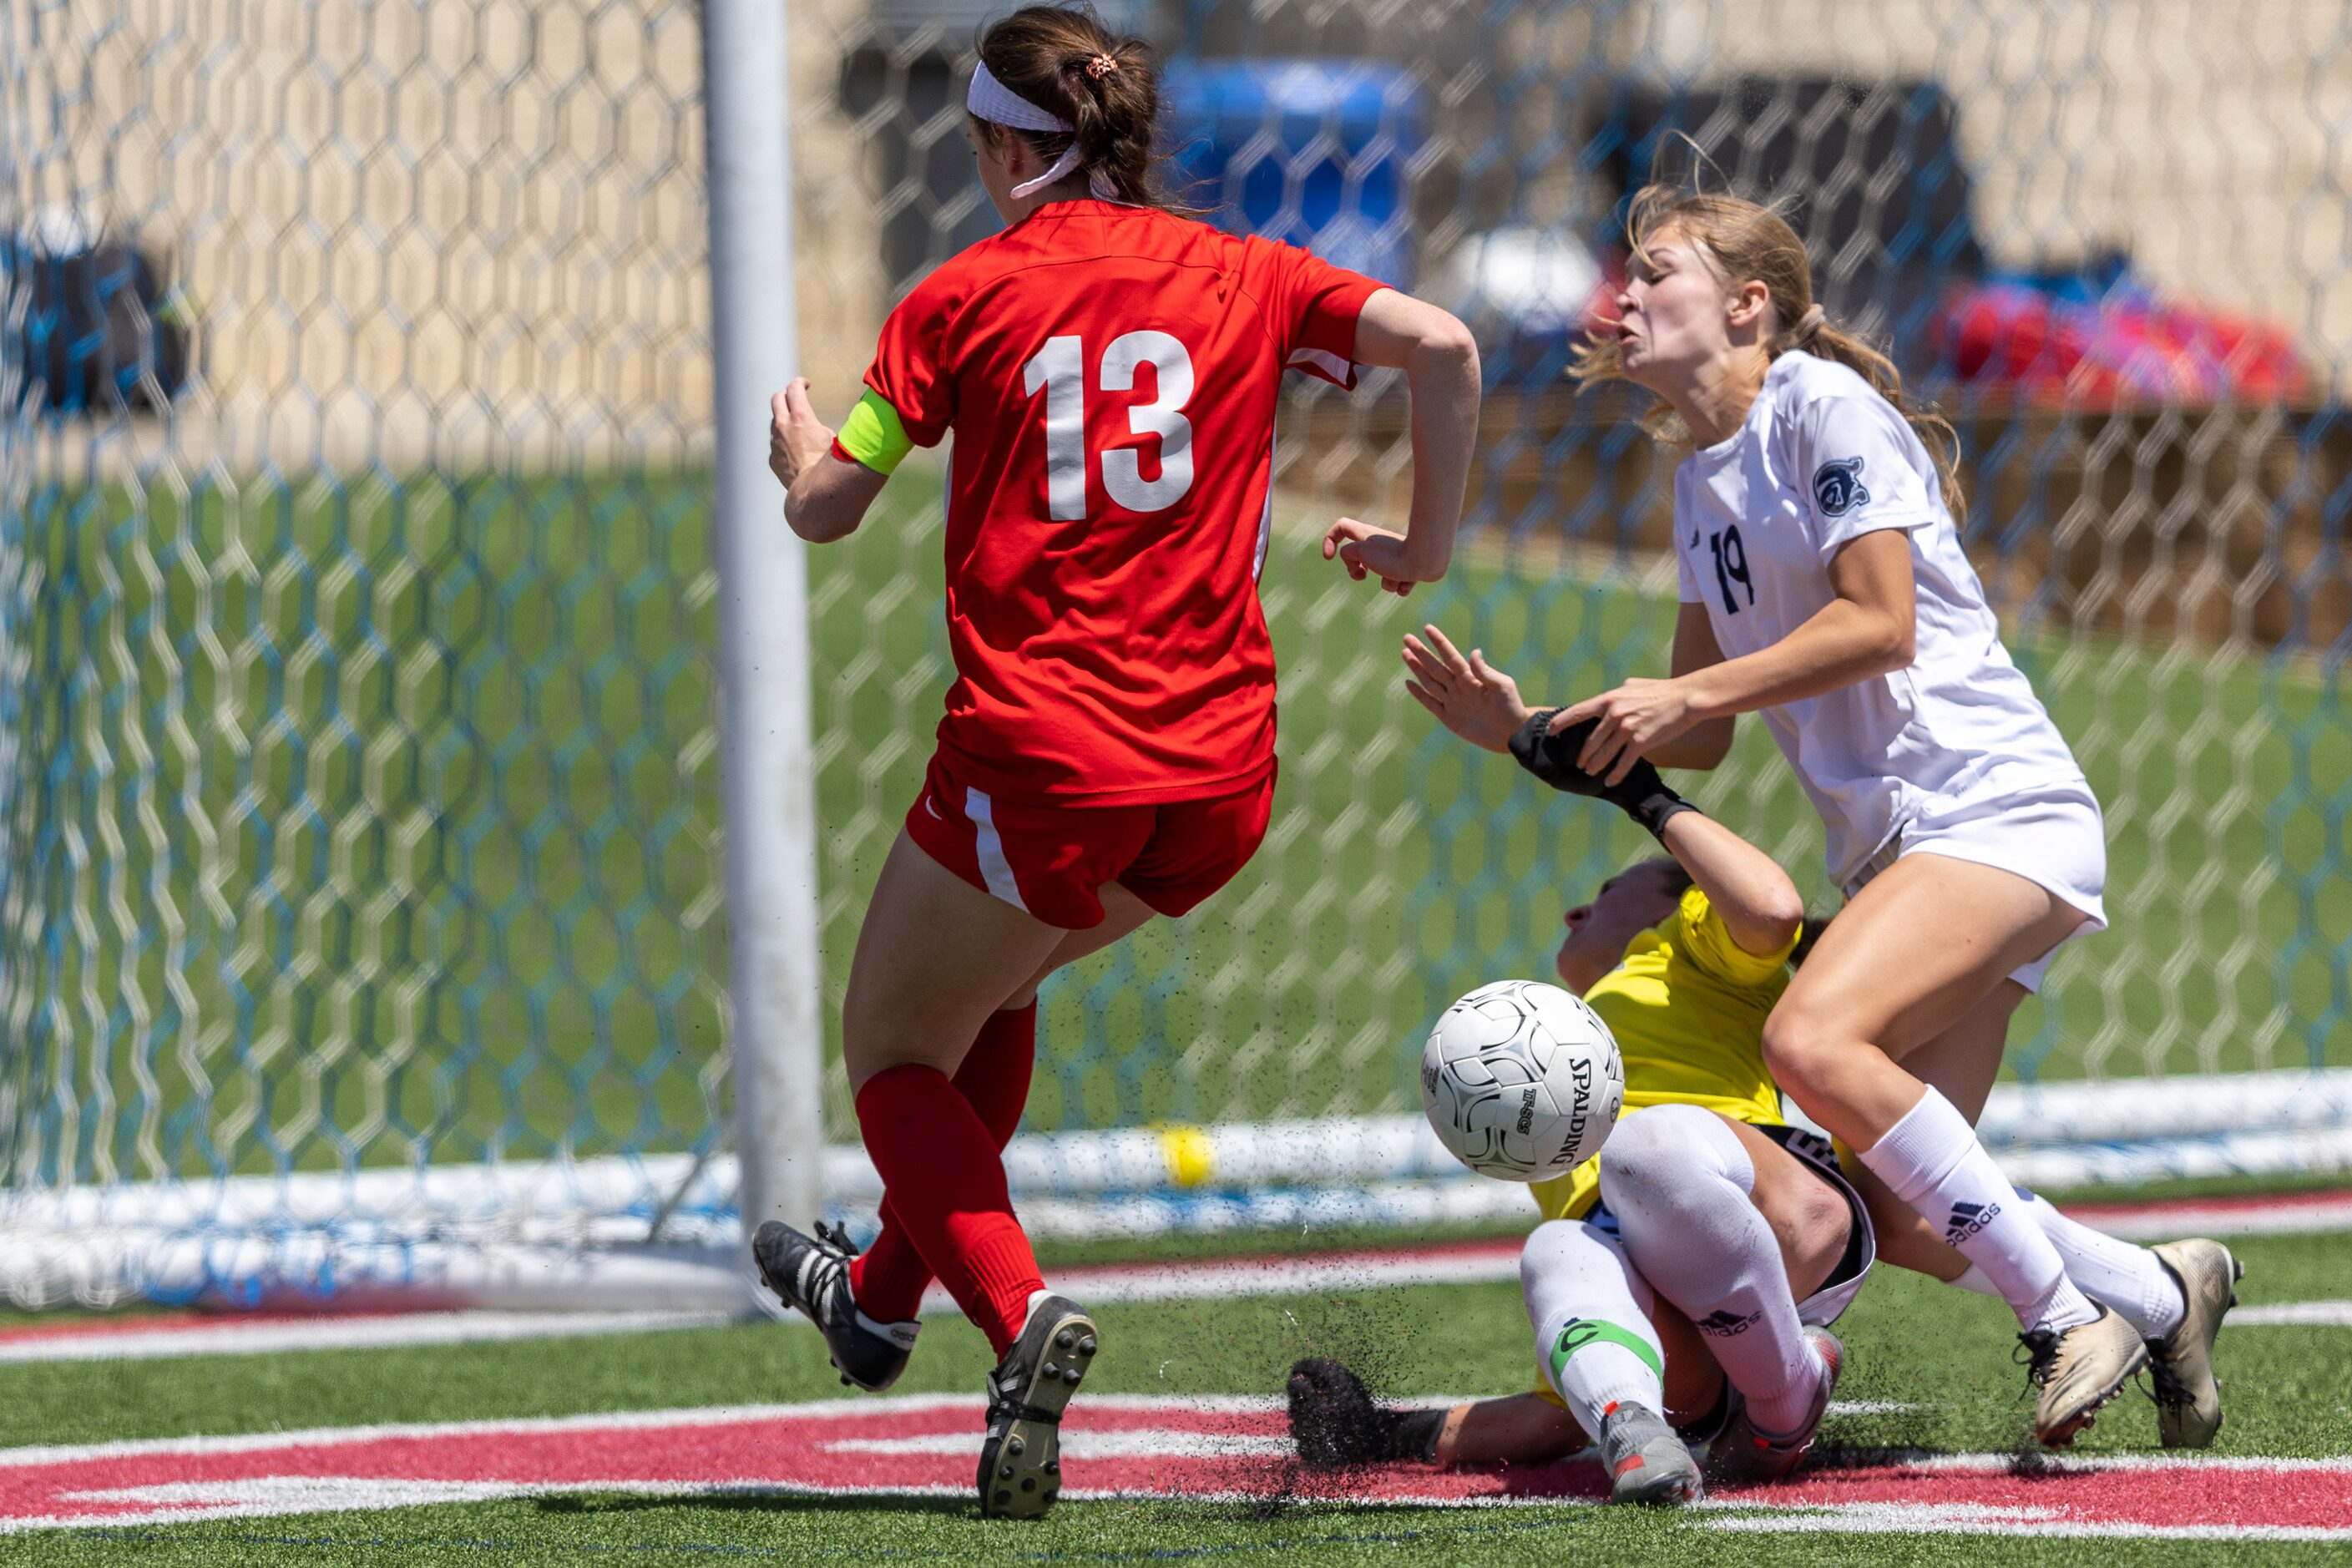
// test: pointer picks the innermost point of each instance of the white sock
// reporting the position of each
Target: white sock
(1932, 1160)
(1681, 1186)
(2131, 1280)
(1592, 1317)
(1973, 1278)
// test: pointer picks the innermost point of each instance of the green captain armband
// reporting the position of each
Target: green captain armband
(872, 434)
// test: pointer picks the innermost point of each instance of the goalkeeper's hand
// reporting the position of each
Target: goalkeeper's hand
(1469, 696)
(1641, 795)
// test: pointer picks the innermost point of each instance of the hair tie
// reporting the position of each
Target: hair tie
(1101, 65)
(1809, 324)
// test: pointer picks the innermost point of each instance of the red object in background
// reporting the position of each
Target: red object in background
(2054, 351)
(2097, 354)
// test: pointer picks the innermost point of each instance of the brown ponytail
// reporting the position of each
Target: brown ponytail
(1743, 240)
(1064, 60)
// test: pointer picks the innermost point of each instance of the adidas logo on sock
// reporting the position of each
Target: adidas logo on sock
(1723, 1322)
(1966, 1220)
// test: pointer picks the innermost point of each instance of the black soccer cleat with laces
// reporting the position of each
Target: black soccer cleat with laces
(811, 1274)
(1021, 1458)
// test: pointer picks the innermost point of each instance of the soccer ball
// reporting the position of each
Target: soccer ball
(1522, 1080)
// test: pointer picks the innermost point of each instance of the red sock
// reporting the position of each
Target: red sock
(946, 1183)
(889, 1278)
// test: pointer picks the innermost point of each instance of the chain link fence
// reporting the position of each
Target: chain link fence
(362, 797)
(361, 803)
(2108, 239)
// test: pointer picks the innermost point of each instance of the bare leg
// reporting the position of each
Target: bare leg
(1916, 954)
(1123, 912)
(1919, 958)
(1961, 1062)
(1808, 1218)
(1527, 1428)
(935, 957)
(1522, 1429)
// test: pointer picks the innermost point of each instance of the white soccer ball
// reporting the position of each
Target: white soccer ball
(1522, 1080)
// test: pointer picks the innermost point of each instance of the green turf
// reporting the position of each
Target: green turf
(597, 1527)
(405, 844)
(2285, 1389)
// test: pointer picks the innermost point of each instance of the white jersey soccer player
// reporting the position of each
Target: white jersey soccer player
(1823, 584)
(1954, 749)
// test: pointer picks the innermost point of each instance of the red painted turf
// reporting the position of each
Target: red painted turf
(1170, 1449)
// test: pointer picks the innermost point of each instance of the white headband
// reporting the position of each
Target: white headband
(991, 101)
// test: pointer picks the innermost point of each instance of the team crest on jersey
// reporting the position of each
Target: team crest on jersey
(1837, 487)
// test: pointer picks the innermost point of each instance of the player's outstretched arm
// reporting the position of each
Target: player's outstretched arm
(824, 498)
(1468, 695)
(1440, 360)
(1760, 906)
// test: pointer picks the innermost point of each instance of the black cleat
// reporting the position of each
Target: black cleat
(1021, 1458)
(812, 1274)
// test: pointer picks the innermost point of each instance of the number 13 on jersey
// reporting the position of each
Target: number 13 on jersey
(1059, 369)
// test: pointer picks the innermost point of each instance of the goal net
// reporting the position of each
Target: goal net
(362, 927)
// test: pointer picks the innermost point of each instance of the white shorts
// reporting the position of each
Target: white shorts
(2051, 836)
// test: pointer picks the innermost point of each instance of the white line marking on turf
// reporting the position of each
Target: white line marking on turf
(1985, 1518)
(230, 1337)
(631, 1420)
(1279, 1276)
(1133, 1443)
(2324, 1314)
(2165, 1222)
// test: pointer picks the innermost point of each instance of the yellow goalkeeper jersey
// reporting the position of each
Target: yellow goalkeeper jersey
(1688, 1007)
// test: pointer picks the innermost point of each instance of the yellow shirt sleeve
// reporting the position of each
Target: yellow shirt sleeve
(873, 434)
(1708, 945)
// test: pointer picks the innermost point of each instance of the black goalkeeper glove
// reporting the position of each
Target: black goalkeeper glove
(1641, 795)
(1336, 1423)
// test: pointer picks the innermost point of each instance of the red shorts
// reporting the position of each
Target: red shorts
(1053, 860)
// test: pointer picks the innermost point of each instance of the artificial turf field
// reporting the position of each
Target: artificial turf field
(1932, 1365)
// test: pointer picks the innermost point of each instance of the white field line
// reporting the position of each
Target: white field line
(2322, 1314)
(2165, 1222)
(1278, 1276)
(628, 1420)
(1976, 1518)
(267, 1497)
(917, 1404)
(229, 1337)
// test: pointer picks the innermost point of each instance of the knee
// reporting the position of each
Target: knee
(1548, 1246)
(1801, 1048)
(1651, 1157)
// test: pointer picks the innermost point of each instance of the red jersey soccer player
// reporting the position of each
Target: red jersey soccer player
(1109, 372)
